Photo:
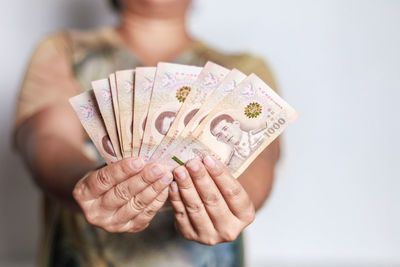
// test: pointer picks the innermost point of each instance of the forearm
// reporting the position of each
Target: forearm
(57, 167)
(55, 163)
(258, 178)
(258, 183)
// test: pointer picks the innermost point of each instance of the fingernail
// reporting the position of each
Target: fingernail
(209, 162)
(180, 172)
(193, 165)
(174, 187)
(167, 178)
(137, 163)
(156, 171)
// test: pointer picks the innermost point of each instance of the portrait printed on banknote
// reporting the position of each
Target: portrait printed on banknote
(192, 99)
(241, 142)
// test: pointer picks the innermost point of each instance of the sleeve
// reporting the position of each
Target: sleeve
(48, 79)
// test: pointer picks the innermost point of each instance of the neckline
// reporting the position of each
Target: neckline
(115, 40)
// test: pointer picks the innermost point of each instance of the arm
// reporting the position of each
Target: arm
(48, 135)
(257, 179)
(50, 143)
(122, 197)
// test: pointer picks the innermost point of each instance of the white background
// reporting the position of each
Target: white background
(336, 198)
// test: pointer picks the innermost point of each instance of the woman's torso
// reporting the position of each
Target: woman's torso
(68, 239)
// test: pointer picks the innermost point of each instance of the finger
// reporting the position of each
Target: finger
(121, 193)
(232, 191)
(194, 206)
(105, 178)
(209, 193)
(182, 221)
(141, 221)
(141, 201)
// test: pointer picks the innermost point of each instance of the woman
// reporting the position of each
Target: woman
(111, 216)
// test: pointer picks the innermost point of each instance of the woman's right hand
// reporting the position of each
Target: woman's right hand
(124, 196)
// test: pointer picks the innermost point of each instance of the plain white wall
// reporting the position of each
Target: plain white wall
(336, 197)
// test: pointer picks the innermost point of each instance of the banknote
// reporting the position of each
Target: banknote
(239, 128)
(226, 86)
(208, 79)
(125, 89)
(102, 91)
(144, 79)
(114, 97)
(229, 83)
(172, 84)
(88, 113)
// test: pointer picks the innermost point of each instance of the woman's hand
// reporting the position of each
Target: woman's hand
(210, 205)
(124, 196)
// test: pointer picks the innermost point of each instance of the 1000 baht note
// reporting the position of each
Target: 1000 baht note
(239, 128)
(101, 89)
(208, 79)
(144, 79)
(88, 113)
(225, 87)
(125, 89)
(172, 84)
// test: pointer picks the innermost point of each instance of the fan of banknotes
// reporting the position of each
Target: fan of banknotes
(172, 113)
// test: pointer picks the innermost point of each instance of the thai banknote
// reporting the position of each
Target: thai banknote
(114, 97)
(226, 86)
(101, 89)
(229, 83)
(125, 88)
(144, 79)
(88, 113)
(172, 84)
(239, 128)
(208, 79)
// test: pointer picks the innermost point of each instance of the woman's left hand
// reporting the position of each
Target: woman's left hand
(210, 205)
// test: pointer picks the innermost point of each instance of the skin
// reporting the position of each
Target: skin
(125, 196)
(210, 205)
